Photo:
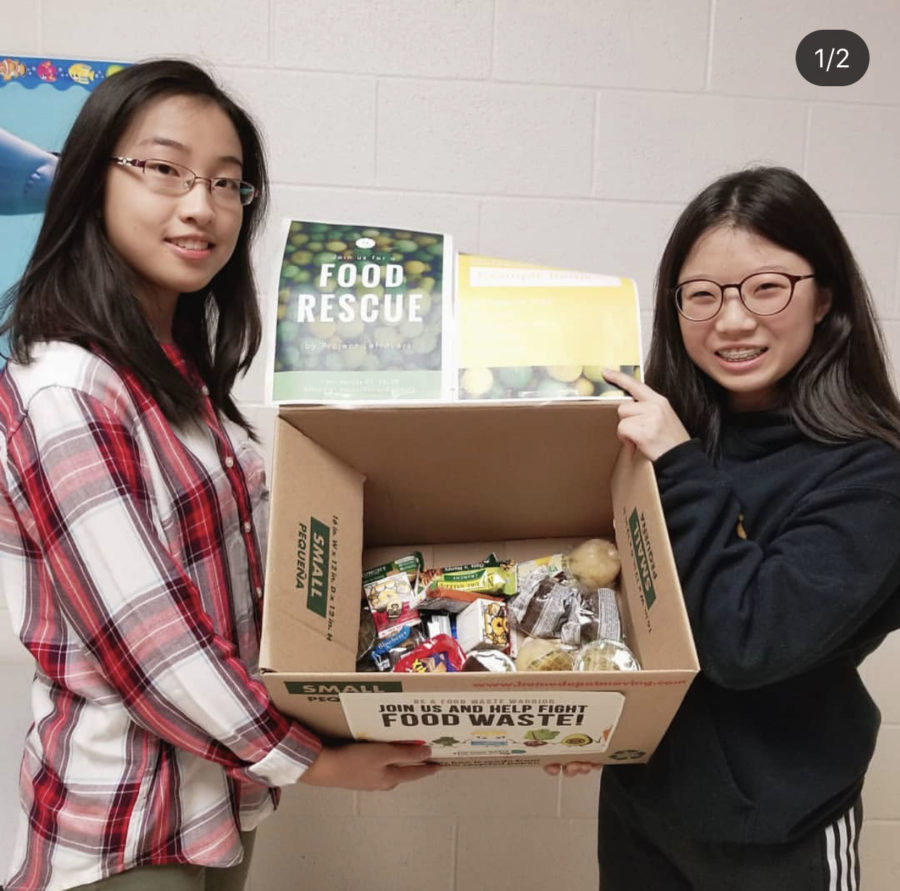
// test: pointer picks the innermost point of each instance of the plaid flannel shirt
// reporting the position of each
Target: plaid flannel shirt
(130, 558)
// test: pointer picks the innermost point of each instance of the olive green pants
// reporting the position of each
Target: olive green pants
(180, 876)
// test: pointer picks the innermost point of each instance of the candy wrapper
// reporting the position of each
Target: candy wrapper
(451, 600)
(440, 654)
(412, 564)
(491, 576)
(388, 651)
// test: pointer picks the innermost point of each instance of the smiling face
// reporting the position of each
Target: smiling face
(173, 244)
(746, 354)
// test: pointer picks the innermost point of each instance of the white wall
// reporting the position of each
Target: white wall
(567, 132)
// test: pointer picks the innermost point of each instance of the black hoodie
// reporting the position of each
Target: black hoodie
(788, 551)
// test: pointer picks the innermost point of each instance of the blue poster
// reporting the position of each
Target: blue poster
(39, 100)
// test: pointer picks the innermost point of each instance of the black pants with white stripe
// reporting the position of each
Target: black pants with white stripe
(635, 858)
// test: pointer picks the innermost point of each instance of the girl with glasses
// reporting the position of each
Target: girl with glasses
(770, 418)
(133, 516)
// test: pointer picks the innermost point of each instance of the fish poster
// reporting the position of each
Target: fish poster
(39, 100)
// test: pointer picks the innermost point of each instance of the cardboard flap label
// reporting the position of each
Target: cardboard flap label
(469, 724)
(314, 555)
(642, 552)
(313, 564)
(338, 688)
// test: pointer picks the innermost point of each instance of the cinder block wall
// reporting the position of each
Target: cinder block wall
(568, 133)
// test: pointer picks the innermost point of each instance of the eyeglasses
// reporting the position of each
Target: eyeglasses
(168, 178)
(762, 293)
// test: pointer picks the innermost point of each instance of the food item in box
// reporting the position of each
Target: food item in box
(540, 608)
(553, 563)
(605, 655)
(488, 660)
(367, 634)
(595, 562)
(609, 623)
(452, 601)
(402, 640)
(544, 654)
(391, 601)
(412, 564)
(440, 654)
(491, 576)
(593, 613)
(482, 625)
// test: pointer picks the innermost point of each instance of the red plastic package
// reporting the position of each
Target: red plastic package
(441, 653)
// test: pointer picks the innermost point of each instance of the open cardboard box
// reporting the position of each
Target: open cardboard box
(355, 487)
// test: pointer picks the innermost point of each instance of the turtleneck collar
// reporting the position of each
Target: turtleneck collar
(756, 433)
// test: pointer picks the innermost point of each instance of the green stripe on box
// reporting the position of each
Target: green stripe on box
(333, 688)
(319, 557)
(642, 557)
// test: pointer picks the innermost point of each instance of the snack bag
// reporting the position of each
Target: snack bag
(389, 650)
(553, 563)
(541, 606)
(593, 614)
(491, 576)
(439, 654)
(391, 600)
(412, 564)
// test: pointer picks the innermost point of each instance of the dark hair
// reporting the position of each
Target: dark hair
(76, 286)
(841, 389)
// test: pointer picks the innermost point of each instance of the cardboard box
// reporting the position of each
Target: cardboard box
(364, 485)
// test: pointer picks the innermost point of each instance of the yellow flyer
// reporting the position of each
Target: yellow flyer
(538, 332)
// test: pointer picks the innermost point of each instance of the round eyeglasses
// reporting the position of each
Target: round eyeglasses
(762, 293)
(169, 178)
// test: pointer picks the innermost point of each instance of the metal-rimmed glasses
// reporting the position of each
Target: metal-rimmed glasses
(761, 293)
(169, 178)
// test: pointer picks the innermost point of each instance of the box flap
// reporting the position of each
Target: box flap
(496, 472)
(649, 576)
(314, 564)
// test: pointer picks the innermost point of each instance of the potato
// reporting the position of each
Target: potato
(595, 563)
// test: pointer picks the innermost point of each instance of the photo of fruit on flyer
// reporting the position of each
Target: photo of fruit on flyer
(476, 724)
(363, 315)
(537, 332)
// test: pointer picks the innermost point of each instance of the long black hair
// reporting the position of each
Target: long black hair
(77, 288)
(841, 389)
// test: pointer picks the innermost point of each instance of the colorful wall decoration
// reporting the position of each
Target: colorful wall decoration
(39, 100)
